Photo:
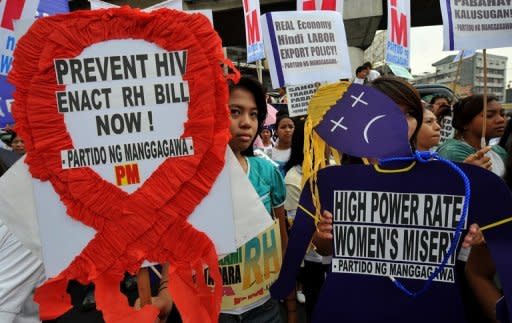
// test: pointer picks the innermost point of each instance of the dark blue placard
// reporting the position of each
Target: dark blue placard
(351, 297)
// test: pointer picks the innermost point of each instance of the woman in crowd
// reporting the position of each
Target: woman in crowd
(281, 151)
(248, 112)
(467, 121)
(266, 139)
(429, 133)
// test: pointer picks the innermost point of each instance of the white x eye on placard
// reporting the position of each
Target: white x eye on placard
(337, 124)
(358, 99)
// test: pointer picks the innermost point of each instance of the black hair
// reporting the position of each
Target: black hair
(367, 65)
(10, 138)
(297, 152)
(253, 86)
(440, 96)
(359, 70)
(466, 109)
(404, 94)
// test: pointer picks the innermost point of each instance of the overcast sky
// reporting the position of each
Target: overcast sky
(427, 48)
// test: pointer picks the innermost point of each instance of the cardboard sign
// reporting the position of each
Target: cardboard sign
(388, 227)
(447, 130)
(253, 33)
(398, 43)
(248, 273)
(476, 24)
(365, 123)
(298, 98)
(305, 47)
(133, 142)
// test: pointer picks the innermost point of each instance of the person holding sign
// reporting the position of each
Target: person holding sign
(467, 121)
(248, 112)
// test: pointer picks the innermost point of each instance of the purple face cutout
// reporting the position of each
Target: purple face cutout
(366, 123)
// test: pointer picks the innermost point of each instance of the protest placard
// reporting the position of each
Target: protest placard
(253, 33)
(298, 98)
(389, 229)
(125, 113)
(476, 24)
(139, 132)
(398, 43)
(305, 47)
(248, 273)
(394, 234)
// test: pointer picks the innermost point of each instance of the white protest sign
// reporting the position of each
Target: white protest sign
(334, 5)
(253, 34)
(415, 235)
(241, 217)
(10, 11)
(305, 47)
(125, 113)
(299, 97)
(398, 35)
(470, 24)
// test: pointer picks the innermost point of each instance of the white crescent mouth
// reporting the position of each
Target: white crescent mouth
(365, 131)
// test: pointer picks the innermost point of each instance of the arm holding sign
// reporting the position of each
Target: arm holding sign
(322, 238)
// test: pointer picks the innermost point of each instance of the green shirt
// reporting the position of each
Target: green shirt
(458, 150)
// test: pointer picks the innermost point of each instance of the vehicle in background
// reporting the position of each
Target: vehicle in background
(428, 91)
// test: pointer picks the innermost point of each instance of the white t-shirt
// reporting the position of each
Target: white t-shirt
(357, 80)
(373, 75)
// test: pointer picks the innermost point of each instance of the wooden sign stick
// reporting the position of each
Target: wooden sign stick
(484, 123)
(144, 287)
(457, 73)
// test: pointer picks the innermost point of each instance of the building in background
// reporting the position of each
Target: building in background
(471, 79)
(376, 53)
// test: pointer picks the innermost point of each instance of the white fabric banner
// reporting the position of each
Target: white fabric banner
(476, 24)
(398, 43)
(305, 47)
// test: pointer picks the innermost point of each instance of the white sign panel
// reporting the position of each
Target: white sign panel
(299, 97)
(124, 112)
(305, 47)
(399, 25)
(333, 5)
(253, 34)
(10, 11)
(469, 24)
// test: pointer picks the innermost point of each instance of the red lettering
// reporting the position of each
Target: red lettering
(13, 9)
(132, 174)
(326, 5)
(398, 27)
(120, 174)
(246, 6)
(238, 300)
(253, 27)
(227, 291)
